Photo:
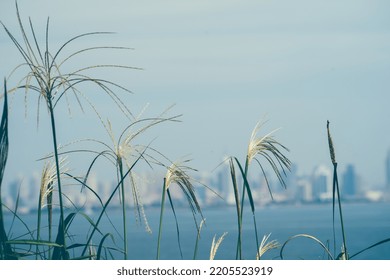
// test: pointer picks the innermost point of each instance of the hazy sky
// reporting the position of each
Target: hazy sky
(226, 65)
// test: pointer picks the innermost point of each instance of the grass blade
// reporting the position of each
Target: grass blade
(5, 248)
(176, 222)
(99, 252)
(61, 252)
(250, 197)
(370, 247)
(238, 208)
(161, 219)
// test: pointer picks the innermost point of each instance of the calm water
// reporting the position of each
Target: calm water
(365, 225)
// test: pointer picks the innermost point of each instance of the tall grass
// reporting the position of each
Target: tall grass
(336, 191)
(48, 179)
(5, 249)
(46, 78)
(271, 151)
(122, 153)
(336, 199)
(177, 173)
(44, 75)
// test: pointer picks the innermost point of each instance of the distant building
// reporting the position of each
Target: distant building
(304, 190)
(388, 171)
(349, 183)
(322, 183)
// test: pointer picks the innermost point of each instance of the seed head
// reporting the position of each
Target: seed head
(331, 146)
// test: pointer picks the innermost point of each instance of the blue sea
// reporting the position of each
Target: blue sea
(365, 225)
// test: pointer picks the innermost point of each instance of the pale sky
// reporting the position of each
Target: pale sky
(226, 65)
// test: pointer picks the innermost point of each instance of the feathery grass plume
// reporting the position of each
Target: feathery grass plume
(45, 77)
(331, 146)
(48, 180)
(123, 152)
(215, 245)
(107, 203)
(46, 189)
(336, 191)
(271, 150)
(266, 246)
(177, 173)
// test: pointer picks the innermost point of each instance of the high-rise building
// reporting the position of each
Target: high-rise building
(304, 190)
(349, 184)
(322, 183)
(388, 171)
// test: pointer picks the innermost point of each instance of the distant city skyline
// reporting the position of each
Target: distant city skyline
(315, 187)
(226, 65)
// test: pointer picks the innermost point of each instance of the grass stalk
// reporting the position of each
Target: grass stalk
(250, 198)
(39, 217)
(336, 191)
(104, 208)
(57, 163)
(177, 173)
(123, 197)
(5, 248)
(245, 174)
(161, 218)
(49, 201)
(176, 222)
(270, 149)
(198, 238)
(238, 208)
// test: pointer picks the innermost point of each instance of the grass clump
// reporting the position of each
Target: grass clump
(271, 151)
(344, 254)
(44, 74)
(178, 174)
(53, 85)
